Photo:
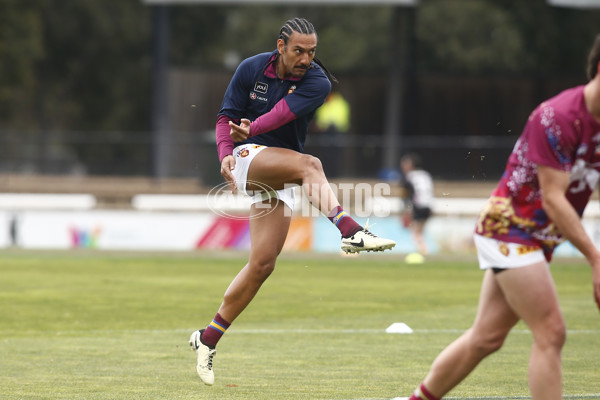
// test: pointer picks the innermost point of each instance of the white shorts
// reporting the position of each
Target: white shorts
(494, 253)
(244, 155)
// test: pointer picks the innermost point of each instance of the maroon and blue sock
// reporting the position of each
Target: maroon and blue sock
(422, 393)
(213, 332)
(344, 222)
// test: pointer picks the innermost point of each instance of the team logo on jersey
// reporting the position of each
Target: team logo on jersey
(261, 87)
(291, 89)
(503, 249)
(244, 153)
(254, 96)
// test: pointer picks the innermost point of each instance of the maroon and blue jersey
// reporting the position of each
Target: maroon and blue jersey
(561, 134)
(286, 105)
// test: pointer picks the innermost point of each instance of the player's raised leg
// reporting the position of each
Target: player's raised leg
(277, 167)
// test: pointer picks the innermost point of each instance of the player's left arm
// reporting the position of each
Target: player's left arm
(553, 185)
(310, 95)
(278, 116)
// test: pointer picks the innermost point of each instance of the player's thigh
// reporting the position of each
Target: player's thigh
(495, 317)
(531, 293)
(268, 230)
(276, 167)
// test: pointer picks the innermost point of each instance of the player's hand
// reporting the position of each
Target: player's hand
(240, 132)
(228, 165)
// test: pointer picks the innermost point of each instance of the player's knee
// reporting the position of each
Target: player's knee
(553, 333)
(559, 336)
(312, 164)
(266, 269)
(263, 268)
(485, 344)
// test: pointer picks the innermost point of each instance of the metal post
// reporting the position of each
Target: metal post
(402, 22)
(160, 123)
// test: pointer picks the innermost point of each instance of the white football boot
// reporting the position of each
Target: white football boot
(204, 355)
(364, 240)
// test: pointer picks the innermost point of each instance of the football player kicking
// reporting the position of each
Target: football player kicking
(261, 129)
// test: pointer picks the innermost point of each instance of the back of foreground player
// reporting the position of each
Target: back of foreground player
(538, 203)
(261, 130)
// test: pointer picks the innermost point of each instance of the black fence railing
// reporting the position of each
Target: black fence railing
(194, 154)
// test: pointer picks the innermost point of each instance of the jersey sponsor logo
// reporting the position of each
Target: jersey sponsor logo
(524, 249)
(261, 87)
(254, 96)
(291, 89)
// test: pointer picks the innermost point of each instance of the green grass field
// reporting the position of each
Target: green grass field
(93, 325)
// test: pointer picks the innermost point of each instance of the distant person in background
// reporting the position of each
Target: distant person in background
(418, 186)
(333, 116)
(261, 129)
(332, 120)
(538, 203)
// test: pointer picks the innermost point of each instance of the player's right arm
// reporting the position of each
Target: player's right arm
(228, 165)
(234, 103)
(553, 144)
(554, 184)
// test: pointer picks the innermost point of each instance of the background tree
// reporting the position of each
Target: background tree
(75, 76)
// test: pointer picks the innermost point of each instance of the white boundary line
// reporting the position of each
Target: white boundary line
(245, 331)
(377, 331)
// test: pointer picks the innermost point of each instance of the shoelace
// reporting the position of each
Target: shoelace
(369, 233)
(211, 354)
(367, 226)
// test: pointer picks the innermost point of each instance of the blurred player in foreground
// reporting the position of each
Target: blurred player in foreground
(538, 203)
(418, 202)
(260, 131)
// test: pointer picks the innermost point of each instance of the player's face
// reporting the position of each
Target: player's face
(296, 55)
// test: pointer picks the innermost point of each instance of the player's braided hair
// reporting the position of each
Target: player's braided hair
(303, 26)
(594, 59)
